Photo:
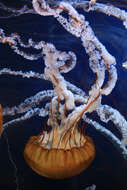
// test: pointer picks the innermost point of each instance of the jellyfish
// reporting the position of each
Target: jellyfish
(62, 149)
(65, 150)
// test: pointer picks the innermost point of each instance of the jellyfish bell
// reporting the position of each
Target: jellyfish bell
(59, 156)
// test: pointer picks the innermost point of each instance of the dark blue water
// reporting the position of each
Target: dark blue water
(109, 169)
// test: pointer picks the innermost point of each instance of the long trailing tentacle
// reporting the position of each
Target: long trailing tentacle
(108, 134)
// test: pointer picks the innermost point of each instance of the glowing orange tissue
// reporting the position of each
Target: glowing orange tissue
(59, 157)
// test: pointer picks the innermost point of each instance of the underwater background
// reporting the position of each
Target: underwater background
(109, 169)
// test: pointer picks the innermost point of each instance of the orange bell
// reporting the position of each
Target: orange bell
(59, 162)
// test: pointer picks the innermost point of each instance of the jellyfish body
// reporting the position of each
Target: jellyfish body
(60, 161)
(64, 151)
